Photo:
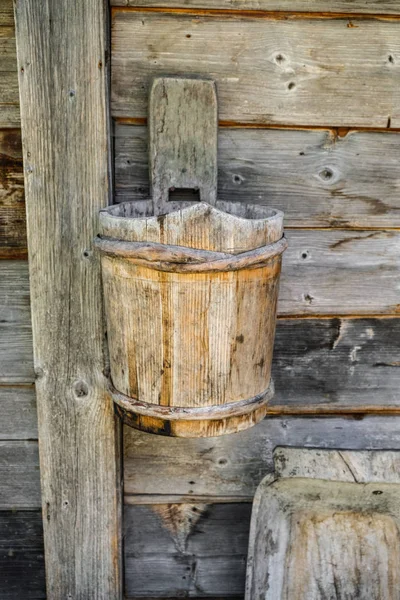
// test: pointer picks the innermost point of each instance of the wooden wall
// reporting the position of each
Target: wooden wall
(310, 123)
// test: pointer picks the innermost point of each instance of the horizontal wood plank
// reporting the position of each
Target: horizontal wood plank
(19, 475)
(12, 201)
(390, 7)
(18, 413)
(188, 550)
(21, 556)
(315, 177)
(340, 272)
(9, 95)
(233, 466)
(301, 72)
(338, 465)
(16, 350)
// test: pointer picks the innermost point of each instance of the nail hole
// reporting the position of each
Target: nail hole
(237, 179)
(291, 85)
(389, 122)
(304, 254)
(377, 492)
(222, 461)
(391, 58)
(22, 70)
(188, 35)
(301, 153)
(308, 298)
(279, 58)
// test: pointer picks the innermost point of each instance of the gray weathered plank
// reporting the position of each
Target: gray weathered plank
(340, 272)
(18, 413)
(233, 466)
(316, 178)
(21, 556)
(338, 465)
(332, 6)
(188, 550)
(63, 89)
(313, 538)
(12, 203)
(302, 72)
(19, 475)
(16, 358)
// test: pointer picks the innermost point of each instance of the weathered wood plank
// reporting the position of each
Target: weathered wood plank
(12, 202)
(186, 550)
(16, 354)
(316, 178)
(18, 413)
(21, 556)
(233, 466)
(9, 98)
(19, 475)
(316, 539)
(340, 272)
(267, 71)
(338, 465)
(65, 84)
(390, 7)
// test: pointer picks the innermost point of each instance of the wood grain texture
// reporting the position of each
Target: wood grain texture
(9, 99)
(303, 72)
(337, 364)
(315, 177)
(63, 89)
(195, 341)
(194, 550)
(312, 538)
(21, 556)
(18, 413)
(390, 7)
(16, 352)
(183, 124)
(233, 466)
(338, 465)
(340, 272)
(12, 201)
(19, 475)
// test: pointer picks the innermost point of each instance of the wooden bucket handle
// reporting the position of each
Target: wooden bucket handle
(183, 121)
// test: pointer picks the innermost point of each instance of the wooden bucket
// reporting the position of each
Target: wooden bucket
(190, 301)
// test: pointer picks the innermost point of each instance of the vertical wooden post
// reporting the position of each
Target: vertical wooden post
(63, 55)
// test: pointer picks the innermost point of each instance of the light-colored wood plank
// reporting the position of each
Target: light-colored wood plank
(21, 556)
(302, 72)
(315, 177)
(313, 538)
(18, 413)
(233, 466)
(12, 202)
(19, 475)
(338, 465)
(186, 550)
(16, 353)
(65, 186)
(390, 7)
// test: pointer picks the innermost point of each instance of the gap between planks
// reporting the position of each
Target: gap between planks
(339, 132)
(230, 13)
